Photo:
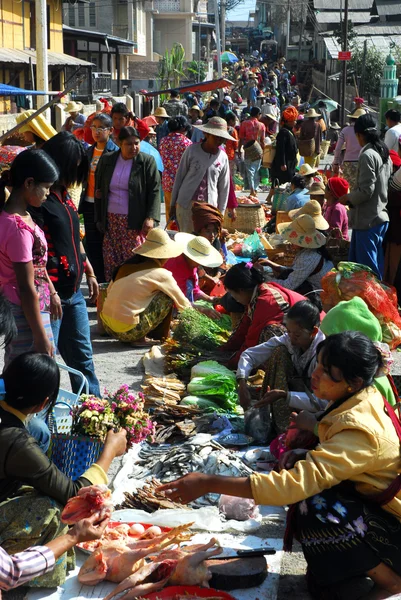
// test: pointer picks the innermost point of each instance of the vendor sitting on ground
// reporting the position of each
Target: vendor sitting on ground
(33, 491)
(207, 221)
(311, 262)
(266, 306)
(196, 250)
(345, 494)
(314, 210)
(142, 294)
(289, 361)
(299, 193)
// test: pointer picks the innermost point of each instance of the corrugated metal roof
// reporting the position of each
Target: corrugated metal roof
(388, 7)
(88, 33)
(390, 28)
(334, 17)
(338, 4)
(8, 55)
(379, 42)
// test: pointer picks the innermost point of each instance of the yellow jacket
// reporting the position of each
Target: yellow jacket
(358, 442)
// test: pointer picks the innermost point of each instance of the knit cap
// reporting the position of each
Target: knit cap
(338, 186)
(352, 315)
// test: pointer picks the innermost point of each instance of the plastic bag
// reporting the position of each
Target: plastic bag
(350, 280)
(240, 509)
(252, 246)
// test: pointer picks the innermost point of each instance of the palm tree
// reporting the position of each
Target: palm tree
(171, 67)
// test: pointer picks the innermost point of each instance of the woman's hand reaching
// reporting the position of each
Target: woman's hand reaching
(288, 459)
(270, 397)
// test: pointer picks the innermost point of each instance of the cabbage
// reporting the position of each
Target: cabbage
(210, 367)
(203, 404)
(223, 388)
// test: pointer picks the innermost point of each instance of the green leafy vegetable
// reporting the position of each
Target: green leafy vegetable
(210, 367)
(221, 387)
(204, 404)
(197, 330)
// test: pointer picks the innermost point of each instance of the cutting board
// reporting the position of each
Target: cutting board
(237, 573)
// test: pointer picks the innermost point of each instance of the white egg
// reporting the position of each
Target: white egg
(136, 529)
(153, 531)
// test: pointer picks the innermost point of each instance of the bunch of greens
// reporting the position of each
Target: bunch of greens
(221, 389)
(197, 330)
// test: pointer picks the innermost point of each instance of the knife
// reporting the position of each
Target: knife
(244, 553)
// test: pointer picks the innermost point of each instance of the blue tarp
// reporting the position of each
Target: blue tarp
(10, 90)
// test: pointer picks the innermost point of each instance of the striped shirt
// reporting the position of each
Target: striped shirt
(22, 567)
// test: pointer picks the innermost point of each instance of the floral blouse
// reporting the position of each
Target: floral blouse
(172, 147)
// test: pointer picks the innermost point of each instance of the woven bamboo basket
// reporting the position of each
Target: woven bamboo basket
(282, 217)
(75, 193)
(248, 219)
(283, 255)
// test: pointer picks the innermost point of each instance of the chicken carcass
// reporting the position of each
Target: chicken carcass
(91, 499)
(117, 561)
(191, 569)
(150, 578)
(179, 566)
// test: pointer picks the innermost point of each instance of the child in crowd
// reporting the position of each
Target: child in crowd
(289, 361)
(336, 214)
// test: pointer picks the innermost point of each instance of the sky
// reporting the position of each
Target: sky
(241, 13)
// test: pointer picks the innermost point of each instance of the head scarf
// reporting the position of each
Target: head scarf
(203, 214)
(290, 114)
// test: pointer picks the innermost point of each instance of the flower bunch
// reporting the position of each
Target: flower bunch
(129, 413)
(93, 417)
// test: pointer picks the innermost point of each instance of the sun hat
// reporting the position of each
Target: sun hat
(161, 112)
(302, 232)
(39, 125)
(396, 160)
(358, 113)
(199, 249)
(228, 99)
(216, 126)
(305, 170)
(199, 110)
(312, 114)
(152, 131)
(314, 210)
(150, 121)
(273, 117)
(338, 186)
(334, 125)
(73, 106)
(158, 244)
(317, 188)
(352, 315)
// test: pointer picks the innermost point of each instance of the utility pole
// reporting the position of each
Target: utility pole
(42, 78)
(199, 48)
(344, 48)
(301, 35)
(218, 39)
(223, 24)
(287, 37)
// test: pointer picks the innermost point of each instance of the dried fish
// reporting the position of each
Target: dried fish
(147, 499)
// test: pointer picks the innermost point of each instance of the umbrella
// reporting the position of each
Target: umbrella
(229, 57)
(331, 104)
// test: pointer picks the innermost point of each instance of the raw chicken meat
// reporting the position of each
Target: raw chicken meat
(191, 570)
(182, 566)
(117, 561)
(91, 499)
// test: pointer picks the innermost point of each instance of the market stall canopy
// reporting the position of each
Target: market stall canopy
(204, 86)
(10, 90)
(17, 57)
(229, 57)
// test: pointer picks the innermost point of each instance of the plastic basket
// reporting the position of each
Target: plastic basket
(60, 420)
(74, 454)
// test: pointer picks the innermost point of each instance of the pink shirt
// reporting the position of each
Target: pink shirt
(337, 216)
(118, 192)
(183, 274)
(16, 246)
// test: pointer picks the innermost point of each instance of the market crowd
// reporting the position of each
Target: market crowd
(327, 396)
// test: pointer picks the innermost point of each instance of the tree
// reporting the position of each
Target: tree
(196, 70)
(171, 67)
(371, 68)
(338, 34)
